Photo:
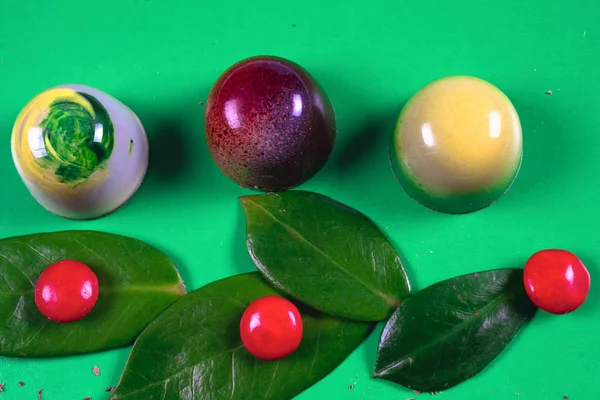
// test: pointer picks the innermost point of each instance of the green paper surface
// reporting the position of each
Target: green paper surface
(161, 57)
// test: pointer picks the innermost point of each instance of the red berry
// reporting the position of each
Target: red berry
(556, 281)
(271, 328)
(66, 291)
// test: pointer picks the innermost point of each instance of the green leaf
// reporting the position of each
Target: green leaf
(450, 331)
(194, 351)
(324, 254)
(136, 283)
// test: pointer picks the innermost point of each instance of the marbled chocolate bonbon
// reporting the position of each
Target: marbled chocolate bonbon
(269, 125)
(80, 152)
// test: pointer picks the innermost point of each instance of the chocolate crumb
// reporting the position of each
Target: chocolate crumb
(565, 397)
(201, 103)
(39, 393)
(351, 387)
(549, 92)
(96, 370)
(88, 398)
(110, 389)
(1, 387)
(21, 384)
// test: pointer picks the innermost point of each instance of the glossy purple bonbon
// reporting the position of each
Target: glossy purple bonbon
(269, 125)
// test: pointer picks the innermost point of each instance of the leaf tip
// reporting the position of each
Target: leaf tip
(245, 200)
(376, 375)
(181, 289)
(376, 372)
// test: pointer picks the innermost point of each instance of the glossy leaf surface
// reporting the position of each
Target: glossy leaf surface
(450, 331)
(325, 254)
(194, 351)
(136, 283)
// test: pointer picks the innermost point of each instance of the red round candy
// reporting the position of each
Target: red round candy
(66, 291)
(271, 328)
(556, 281)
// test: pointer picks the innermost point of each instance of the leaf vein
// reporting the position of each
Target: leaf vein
(18, 269)
(39, 253)
(272, 379)
(317, 346)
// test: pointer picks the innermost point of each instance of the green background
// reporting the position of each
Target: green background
(161, 57)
